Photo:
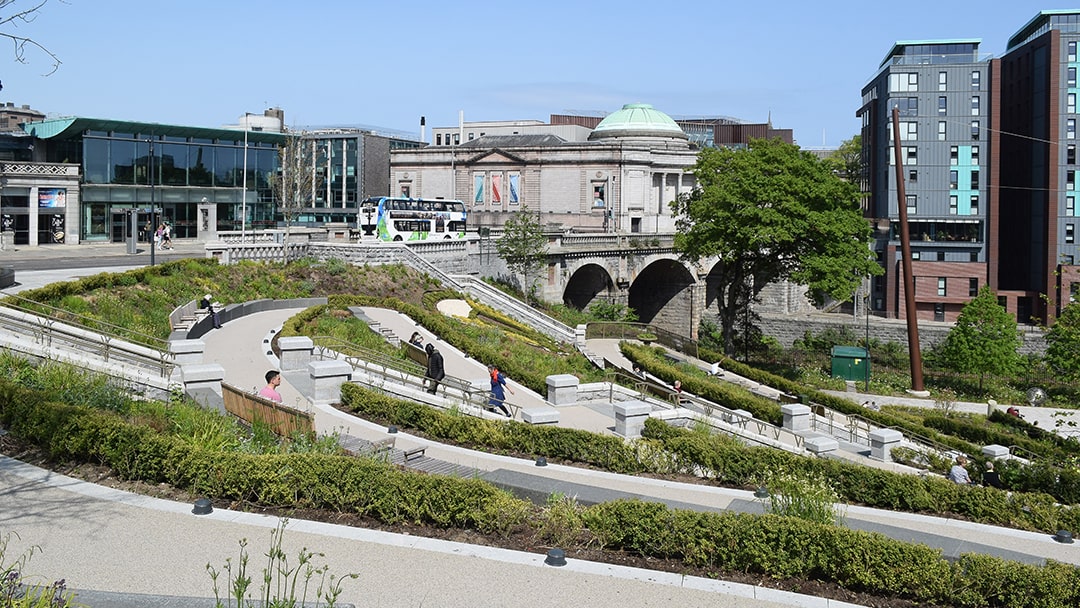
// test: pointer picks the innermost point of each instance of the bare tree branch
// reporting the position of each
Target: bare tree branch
(22, 43)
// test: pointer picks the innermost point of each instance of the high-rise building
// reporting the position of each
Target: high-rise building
(988, 155)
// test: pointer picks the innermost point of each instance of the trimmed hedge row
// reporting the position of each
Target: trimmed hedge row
(365, 486)
(861, 561)
(605, 451)
(652, 360)
(772, 545)
(731, 463)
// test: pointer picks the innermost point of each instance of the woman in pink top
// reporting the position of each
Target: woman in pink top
(273, 379)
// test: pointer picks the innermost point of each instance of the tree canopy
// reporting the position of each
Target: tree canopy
(296, 180)
(984, 339)
(523, 247)
(1063, 343)
(846, 161)
(772, 212)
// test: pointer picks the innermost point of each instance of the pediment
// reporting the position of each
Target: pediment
(495, 156)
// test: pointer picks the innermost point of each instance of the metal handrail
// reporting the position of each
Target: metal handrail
(79, 320)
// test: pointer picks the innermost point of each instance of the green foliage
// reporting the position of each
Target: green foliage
(18, 589)
(523, 246)
(280, 578)
(772, 212)
(846, 161)
(603, 310)
(984, 339)
(1063, 343)
(801, 494)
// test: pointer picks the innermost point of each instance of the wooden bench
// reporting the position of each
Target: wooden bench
(414, 453)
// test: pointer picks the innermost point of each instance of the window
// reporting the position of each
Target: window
(974, 256)
(908, 106)
(1070, 128)
(1070, 206)
(1070, 154)
(1069, 234)
(954, 155)
(975, 105)
(913, 175)
(974, 204)
(1070, 103)
(941, 130)
(974, 180)
(976, 78)
(912, 204)
(1071, 52)
(975, 155)
(974, 130)
(939, 312)
(941, 286)
(1071, 78)
(1070, 180)
(942, 81)
(472, 136)
(973, 287)
(954, 180)
(457, 138)
(911, 155)
(438, 139)
(954, 206)
(902, 83)
(941, 256)
(915, 255)
(909, 131)
(942, 105)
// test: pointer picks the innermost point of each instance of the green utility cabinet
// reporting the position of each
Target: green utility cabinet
(850, 363)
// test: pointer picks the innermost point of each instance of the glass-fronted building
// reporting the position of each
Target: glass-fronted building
(132, 165)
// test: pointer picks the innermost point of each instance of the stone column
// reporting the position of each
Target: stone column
(562, 389)
(326, 379)
(630, 418)
(187, 352)
(295, 352)
(882, 441)
(205, 375)
(796, 417)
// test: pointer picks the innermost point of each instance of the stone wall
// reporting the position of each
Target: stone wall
(787, 328)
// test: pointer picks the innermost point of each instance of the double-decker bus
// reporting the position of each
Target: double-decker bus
(412, 219)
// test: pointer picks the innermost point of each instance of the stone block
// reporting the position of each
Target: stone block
(540, 415)
(326, 380)
(562, 389)
(630, 417)
(882, 441)
(202, 375)
(796, 416)
(995, 451)
(295, 352)
(821, 445)
(187, 352)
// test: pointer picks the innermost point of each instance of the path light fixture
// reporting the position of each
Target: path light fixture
(202, 507)
(391, 429)
(541, 461)
(1064, 537)
(555, 557)
(761, 493)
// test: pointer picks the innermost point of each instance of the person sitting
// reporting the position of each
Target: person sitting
(990, 477)
(207, 304)
(416, 339)
(273, 380)
(715, 369)
(958, 473)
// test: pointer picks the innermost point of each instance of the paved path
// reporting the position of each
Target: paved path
(101, 539)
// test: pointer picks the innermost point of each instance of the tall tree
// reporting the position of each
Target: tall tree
(1063, 343)
(523, 247)
(984, 339)
(295, 182)
(772, 212)
(14, 12)
(846, 161)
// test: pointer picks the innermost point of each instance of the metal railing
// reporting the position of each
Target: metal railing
(83, 338)
(631, 331)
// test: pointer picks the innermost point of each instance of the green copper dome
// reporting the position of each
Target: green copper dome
(637, 120)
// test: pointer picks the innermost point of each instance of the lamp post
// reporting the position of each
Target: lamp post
(866, 310)
(243, 193)
(153, 207)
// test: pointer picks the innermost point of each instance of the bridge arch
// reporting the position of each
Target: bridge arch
(588, 282)
(663, 293)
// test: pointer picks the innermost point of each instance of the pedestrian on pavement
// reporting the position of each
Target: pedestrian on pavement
(958, 473)
(435, 372)
(990, 477)
(166, 236)
(273, 380)
(207, 304)
(498, 396)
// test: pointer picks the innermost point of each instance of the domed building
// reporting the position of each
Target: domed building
(618, 176)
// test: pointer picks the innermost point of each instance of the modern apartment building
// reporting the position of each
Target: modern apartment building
(989, 167)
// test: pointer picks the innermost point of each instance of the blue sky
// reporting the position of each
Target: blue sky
(386, 63)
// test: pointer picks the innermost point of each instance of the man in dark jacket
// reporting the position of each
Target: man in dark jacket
(435, 372)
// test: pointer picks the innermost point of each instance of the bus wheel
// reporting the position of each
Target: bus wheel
(397, 238)
(446, 238)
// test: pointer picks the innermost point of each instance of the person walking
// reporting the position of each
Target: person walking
(435, 372)
(498, 394)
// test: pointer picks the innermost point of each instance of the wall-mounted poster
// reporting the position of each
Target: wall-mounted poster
(52, 197)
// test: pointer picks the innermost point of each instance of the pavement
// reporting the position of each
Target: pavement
(121, 545)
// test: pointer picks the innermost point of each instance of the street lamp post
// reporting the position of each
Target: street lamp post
(243, 193)
(866, 310)
(153, 208)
